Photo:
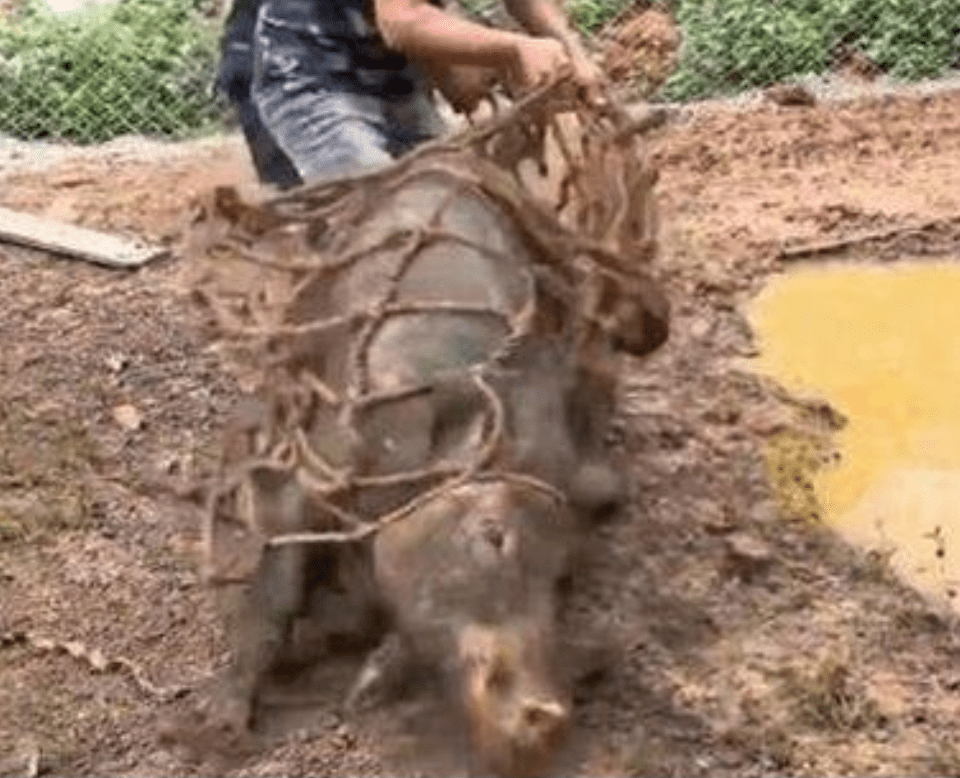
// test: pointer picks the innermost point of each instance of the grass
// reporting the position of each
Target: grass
(732, 45)
(146, 66)
(140, 66)
(590, 16)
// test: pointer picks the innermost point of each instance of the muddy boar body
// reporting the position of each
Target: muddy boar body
(466, 582)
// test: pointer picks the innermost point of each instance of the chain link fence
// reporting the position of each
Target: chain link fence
(134, 66)
(147, 66)
(733, 45)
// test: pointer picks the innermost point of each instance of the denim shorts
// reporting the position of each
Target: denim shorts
(328, 134)
(327, 125)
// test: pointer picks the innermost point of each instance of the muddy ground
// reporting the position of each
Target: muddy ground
(750, 639)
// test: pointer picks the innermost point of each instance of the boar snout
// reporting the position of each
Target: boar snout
(518, 719)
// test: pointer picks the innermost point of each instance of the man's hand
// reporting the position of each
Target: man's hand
(464, 86)
(547, 18)
(433, 35)
(590, 79)
(537, 61)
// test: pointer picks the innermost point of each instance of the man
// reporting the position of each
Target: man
(234, 79)
(344, 86)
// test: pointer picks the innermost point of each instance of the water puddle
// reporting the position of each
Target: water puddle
(882, 344)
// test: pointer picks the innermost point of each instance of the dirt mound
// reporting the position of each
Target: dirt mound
(641, 52)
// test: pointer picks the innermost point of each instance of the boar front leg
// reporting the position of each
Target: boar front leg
(276, 595)
(383, 672)
(599, 485)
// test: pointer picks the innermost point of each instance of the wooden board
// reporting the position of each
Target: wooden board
(79, 242)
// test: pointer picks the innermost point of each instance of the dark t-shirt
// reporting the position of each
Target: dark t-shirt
(333, 43)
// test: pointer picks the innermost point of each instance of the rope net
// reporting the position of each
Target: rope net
(359, 307)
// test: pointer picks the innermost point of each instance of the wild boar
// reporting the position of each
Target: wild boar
(466, 579)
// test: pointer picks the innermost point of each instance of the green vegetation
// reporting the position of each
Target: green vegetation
(588, 15)
(591, 15)
(731, 45)
(139, 66)
(146, 66)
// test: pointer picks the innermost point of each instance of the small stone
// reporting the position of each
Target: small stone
(71, 180)
(24, 761)
(747, 556)
(97, 660)
(345, 738)
(720, 522)
(47, 409)
(764, 512)
(767, 421)
(700, 328)
(791, 95)
(171, 464)
(116, 362)
(951, 683)
(128, 417)
(724, 412)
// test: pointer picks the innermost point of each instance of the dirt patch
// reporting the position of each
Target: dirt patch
(817, 662)
(641, 52)
(134, 187)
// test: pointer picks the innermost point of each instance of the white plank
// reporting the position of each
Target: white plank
(79, 242)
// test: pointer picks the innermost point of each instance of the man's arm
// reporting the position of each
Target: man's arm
(545, 18)
(427, 33)
(464, 86)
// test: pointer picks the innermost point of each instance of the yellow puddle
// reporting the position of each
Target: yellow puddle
(881, 344)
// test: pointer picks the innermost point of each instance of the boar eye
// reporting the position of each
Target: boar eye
(499, 677)
(494, 536)
(502, 541)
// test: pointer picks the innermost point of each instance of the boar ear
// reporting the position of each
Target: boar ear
(641, 318)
